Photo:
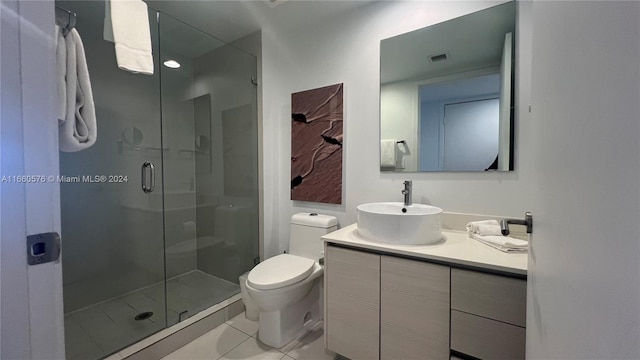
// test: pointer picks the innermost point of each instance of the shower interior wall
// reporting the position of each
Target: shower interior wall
(228, 244)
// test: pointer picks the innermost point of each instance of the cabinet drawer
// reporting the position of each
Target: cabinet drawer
(486, 339)
(491, 296)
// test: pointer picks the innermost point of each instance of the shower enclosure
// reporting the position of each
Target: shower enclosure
(139, 257)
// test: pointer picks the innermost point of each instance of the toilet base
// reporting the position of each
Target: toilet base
(251, 311)
(279, 327)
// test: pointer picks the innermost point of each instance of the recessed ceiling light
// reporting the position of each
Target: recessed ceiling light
(172, 64)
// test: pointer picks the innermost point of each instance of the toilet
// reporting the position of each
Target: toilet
(286, 287)
(251, 311)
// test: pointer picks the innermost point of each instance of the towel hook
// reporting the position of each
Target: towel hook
(65, 19)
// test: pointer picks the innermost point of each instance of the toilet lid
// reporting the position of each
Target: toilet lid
(279, 271)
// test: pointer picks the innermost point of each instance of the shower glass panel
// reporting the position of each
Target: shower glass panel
(210, 167)
(112, 232)
(136, 262)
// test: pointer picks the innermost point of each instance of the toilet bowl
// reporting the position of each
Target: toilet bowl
(286, 287)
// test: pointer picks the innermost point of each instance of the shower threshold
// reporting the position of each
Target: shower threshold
(104, 328)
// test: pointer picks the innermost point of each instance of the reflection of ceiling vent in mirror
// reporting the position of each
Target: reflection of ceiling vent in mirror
(438, 57)
(274, 3)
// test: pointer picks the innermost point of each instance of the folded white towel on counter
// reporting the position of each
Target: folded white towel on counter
(127, 23)
(485, 227)
(388, 153)
(78, 130)
(503, 243)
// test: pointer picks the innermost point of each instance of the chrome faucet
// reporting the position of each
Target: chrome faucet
(407, 192)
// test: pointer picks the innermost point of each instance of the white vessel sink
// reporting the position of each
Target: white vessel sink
(393, 222)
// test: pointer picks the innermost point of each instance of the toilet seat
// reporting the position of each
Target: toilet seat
(279, 271)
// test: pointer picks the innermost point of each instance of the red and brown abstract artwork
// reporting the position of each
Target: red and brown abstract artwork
(316, 145)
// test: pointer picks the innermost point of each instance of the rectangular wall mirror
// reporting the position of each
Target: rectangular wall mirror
(447, 95)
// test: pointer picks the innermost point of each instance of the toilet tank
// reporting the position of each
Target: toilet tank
(306, 230)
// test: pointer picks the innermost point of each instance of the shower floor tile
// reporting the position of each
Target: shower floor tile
(102, 329)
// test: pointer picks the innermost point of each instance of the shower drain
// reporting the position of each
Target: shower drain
(144, 316)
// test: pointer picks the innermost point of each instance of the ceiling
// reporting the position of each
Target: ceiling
(233, 19)
(461, 88)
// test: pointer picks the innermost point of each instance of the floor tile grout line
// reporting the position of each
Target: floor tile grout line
(256, 339)
(242, 342)
(284, 354)
(251, 335)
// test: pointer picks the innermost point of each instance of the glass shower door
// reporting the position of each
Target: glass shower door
(112, 231)
(211, 168)
(136, 259)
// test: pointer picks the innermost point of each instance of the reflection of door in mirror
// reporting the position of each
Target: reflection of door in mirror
(459, 124)
(470, 135)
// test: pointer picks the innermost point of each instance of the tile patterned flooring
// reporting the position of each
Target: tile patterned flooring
(97, 331)
(237, 340)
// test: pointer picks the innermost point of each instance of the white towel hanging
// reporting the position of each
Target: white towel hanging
(388, 153)
(78, 130)
(126, 23)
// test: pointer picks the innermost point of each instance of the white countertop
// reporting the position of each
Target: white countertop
(457, 248)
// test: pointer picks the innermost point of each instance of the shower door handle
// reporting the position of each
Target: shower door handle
(148, 168)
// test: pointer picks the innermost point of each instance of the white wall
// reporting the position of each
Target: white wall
(14, 310)
(31, 303)
(347, 49)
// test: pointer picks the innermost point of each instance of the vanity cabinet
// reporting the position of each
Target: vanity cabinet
(352, 317)
(388, 307)
(384, 307)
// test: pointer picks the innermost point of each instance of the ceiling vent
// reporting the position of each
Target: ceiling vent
(274, 3)
(438, 57)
